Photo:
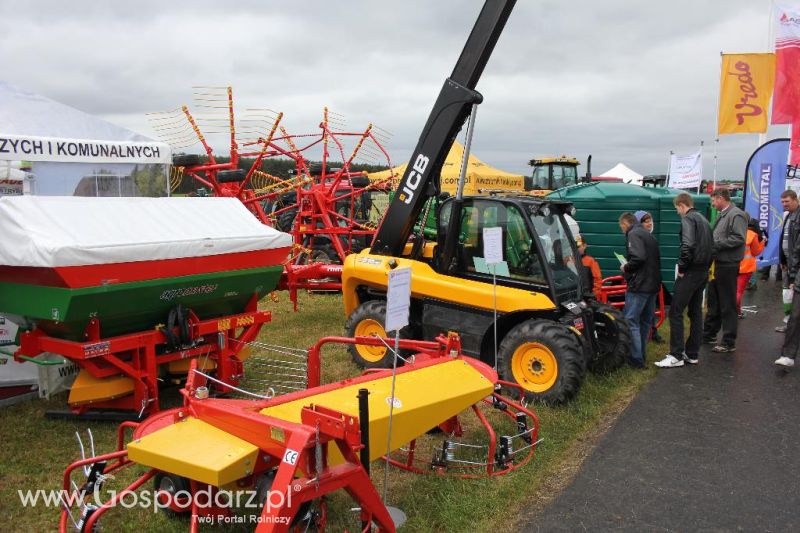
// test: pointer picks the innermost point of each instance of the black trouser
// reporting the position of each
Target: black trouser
(791, 343)
(722, 304)
(687, 294)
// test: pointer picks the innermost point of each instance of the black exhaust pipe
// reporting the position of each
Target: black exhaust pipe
(588, 177)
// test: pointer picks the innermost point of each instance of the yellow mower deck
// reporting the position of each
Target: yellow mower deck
(424, 398)
(196, 450)
(422, 401)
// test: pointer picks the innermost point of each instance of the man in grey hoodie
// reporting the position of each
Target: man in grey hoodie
(730, 232)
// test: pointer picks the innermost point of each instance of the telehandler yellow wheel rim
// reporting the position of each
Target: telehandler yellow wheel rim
(534, 367)
(368, 328)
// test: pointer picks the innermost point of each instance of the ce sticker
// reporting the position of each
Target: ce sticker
(290, 456)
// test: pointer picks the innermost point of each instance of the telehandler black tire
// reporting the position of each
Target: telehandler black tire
(545, 358)
(367, 320)
(613, 337)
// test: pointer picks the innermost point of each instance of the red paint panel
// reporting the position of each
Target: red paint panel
(75, 277)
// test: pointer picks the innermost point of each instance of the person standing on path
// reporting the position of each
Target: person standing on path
(789, 236)
(753, 246)
(730, 231)
(643, 275)
(790, 251)
(646, 220)
(694, 261)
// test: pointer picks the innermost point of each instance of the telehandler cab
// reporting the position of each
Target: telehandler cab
(549, 331)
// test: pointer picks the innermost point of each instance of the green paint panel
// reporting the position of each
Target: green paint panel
(139, 306)
(599, 206)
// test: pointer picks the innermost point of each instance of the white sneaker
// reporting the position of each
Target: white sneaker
(784, 361)
(687, 359)
(670, 361)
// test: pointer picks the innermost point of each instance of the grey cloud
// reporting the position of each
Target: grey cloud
(625, 81)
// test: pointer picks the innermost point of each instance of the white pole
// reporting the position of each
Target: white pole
(716, 149)
(391, 413)
(762, 137)
(716, 125)
(771, 27)
(494, 304)
(669, 166)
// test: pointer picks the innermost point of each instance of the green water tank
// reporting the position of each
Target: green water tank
(599, 206)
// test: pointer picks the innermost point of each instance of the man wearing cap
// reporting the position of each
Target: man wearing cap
(645, 219)
(642, 272)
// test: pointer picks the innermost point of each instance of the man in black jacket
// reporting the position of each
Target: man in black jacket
(790, 262)
(790, 236)
(696, 241)
(642, 273)
(730, 233)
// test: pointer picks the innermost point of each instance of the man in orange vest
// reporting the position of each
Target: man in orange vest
(754, 245)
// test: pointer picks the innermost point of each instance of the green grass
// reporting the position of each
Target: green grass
(35, 450)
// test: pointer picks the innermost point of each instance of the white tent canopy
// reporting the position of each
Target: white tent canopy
(73, 152)
(82, 138)
(56, 231)
(623, 172)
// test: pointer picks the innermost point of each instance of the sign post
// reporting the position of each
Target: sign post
(398, 303)
(493, 255)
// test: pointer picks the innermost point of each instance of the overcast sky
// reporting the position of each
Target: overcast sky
(622, 80)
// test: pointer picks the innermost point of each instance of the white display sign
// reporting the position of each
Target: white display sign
(686, 171)
(55, 378)
(8, 331)
(11, 187)
(29, 148)
(493, 245)
(398, 299)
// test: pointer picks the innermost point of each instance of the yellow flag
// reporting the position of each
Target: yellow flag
(745, 87)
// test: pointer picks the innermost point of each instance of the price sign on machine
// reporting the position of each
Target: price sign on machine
(398, 299)
(493, 245)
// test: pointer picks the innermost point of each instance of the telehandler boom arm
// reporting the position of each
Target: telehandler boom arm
(451, 109)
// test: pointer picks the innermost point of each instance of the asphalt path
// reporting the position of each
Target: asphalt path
(711, 447)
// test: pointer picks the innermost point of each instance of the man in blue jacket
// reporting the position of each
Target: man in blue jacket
(642, 273)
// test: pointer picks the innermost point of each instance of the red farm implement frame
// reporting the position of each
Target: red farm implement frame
(613, 293)
(327, 207)
(218, 342)
(293, 456)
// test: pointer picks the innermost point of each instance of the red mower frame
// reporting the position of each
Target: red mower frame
(308, 476)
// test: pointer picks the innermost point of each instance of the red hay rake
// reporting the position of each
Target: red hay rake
(293, 458)
(329, 209)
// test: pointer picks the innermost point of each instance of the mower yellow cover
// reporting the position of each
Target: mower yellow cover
(424, 399)
(196, 450)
